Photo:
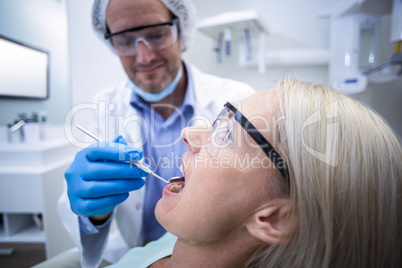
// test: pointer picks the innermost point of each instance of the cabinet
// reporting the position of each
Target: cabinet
(31, 181)
(239, 21)
(245, 26)
(22, 227)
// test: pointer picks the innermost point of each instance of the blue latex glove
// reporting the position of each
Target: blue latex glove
(97, 180)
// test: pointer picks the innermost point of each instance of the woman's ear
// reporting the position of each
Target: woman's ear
(271, 223)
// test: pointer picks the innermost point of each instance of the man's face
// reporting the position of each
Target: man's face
(150, 70)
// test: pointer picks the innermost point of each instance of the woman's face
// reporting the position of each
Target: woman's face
(217, 199)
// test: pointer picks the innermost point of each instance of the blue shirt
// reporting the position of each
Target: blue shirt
(163, 150)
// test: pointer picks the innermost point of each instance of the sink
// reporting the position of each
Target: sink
(34, 155)
(54, 149)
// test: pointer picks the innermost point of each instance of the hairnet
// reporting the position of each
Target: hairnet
(183, 9)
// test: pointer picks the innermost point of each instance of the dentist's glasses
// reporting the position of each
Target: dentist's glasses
(226, 141)
(154, 36)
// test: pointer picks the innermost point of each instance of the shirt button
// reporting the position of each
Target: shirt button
(89, 229)
(138, 206)
(165, 159)
(164, 128)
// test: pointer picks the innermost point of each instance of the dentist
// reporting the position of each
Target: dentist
(161, 95)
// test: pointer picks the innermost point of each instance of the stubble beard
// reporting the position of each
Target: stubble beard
(154, 86)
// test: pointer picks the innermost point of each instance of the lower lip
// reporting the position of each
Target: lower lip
(169, 193)
(150, 70)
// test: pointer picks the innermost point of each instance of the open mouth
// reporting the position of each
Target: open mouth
(176, 188)
(177, 185)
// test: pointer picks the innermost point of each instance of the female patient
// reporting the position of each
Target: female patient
(299, 176)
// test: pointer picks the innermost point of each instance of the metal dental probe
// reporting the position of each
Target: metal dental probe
(136, 163)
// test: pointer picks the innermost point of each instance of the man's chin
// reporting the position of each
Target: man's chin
(152, 85)
(152, 88)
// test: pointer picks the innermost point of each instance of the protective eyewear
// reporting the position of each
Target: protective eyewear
(154, 36)
(226, 139)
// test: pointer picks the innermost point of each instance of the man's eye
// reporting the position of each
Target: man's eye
(122, 43)
(156, 37)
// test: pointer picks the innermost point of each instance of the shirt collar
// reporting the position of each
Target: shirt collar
(189, 98)
(138, 103)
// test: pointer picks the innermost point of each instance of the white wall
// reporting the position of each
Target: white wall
(43, 24)
(93, 65)
(292, 24)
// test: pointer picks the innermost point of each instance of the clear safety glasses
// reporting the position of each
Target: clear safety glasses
(238, 148)
(154, 36)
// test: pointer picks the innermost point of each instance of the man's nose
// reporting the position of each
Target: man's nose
(195, 138)
(144, 51)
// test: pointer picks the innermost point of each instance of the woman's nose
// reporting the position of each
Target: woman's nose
(195, 137)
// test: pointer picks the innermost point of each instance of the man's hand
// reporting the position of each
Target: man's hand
(98, 180)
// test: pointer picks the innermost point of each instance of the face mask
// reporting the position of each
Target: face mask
(155, 97)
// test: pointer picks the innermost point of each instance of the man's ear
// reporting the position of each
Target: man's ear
(271, 223)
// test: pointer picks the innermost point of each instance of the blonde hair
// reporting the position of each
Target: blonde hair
(345, 167)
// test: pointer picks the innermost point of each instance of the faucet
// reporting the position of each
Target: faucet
(29, 122)
(14, 128)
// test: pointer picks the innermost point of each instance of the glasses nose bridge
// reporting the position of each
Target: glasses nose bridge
(144, 41)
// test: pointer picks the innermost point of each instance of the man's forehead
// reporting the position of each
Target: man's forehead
(128, 13)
